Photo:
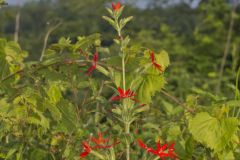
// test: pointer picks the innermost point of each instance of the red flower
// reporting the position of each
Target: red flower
(123, 94)
(161, 150)
(87, 150)
(116, 6)
(94, 64)
(100, 140)
(155, 64)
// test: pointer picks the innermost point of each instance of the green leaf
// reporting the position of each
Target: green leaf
(4, 71)
(41, 120)
(39, 154)
(173, 133)
(210, 131)
(117, 111)
(140, 109)
(54, 93)
(226, 156)
(69, 120)
(10, 153)
(110, 21)
(116, 77)
(54, 111)
(103, 70)
(163, 59)
(148, 86)
(124, 21)
(189, 147)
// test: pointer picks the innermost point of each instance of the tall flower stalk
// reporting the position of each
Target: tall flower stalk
(128, 107)
(118, 24)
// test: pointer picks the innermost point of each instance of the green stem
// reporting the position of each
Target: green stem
(97, 155)
(236, 93)
(127, 131)
(127, 124)
(123, 72)
(156, 158)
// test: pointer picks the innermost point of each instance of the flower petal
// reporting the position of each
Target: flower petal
(120, 91)
(152, 57)
(116, 98)
(141, 144)
(95, 57)
(118, 6)
(84, 154)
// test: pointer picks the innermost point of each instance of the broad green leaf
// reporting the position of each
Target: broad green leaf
(163, 59)
(210, 131)
(148, 86)
(226, 156)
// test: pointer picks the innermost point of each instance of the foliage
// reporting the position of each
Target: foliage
(49, 107)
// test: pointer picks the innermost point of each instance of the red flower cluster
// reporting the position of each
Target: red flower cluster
(99, 143)
(161, 150)
(94, 64)
(87, 150)
(155, 64)
(116, 6)
(123, 94)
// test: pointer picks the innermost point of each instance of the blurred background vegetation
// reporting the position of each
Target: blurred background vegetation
(201, 36)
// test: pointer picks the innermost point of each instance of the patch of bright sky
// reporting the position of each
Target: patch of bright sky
(140, 3)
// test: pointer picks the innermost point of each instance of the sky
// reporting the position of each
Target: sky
(15, 1)
(194, 4)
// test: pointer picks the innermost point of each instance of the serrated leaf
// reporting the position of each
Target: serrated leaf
(210, 131)
(148, 86)
(163, 59)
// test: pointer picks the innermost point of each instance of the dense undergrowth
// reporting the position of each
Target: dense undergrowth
(84, 100)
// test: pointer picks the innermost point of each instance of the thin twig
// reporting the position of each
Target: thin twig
(17, 26)
(178, 101)
(37, 69)
(46, 39)
(227, 47)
